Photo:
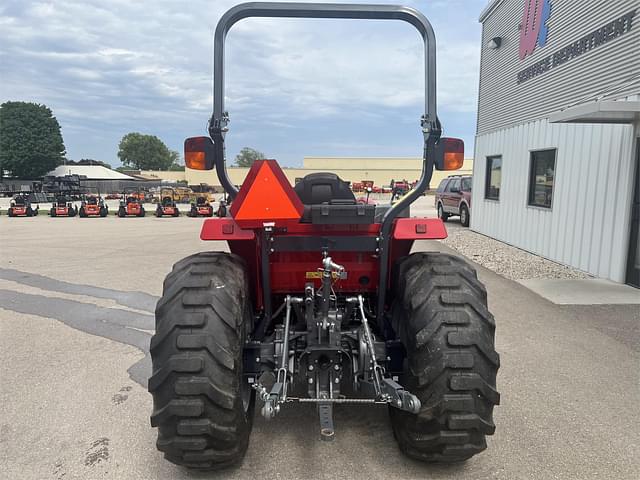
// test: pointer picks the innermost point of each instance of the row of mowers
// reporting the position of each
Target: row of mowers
(95, 206)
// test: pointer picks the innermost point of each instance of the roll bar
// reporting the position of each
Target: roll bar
(429, 122)
(220, 118)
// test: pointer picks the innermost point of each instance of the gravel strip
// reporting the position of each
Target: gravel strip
(505, 260)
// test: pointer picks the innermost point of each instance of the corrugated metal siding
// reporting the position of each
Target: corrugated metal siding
(586, 227)
(503, 103)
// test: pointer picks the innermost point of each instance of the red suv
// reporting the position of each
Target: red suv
(453, 197)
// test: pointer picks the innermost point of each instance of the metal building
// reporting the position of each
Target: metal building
(556, 158)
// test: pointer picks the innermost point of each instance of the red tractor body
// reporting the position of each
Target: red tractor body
(319, 299)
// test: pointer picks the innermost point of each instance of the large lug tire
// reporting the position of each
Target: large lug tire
(442, 319)
(202, 405)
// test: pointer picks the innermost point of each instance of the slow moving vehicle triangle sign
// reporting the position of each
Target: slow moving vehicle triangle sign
(266, 197)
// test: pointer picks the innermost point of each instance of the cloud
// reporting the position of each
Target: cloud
(114, 66)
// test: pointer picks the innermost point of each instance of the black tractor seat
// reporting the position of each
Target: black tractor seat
(328, 200)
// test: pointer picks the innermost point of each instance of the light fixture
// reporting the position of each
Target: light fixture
(495, 43)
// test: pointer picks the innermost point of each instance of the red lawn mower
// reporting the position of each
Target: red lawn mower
(20, 206)
(201, 208)
(167, 206)
(93, 206)
(131, 206)
(62, 207)
(320, 301)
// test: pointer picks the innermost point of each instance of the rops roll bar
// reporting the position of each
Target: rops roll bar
(429, 121)
(220, 118)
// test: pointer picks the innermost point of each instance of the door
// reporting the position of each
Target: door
(633, 266)
(452, 196)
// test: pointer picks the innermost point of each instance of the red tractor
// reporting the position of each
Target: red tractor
(20, 206)
(201, 208)
(320, 301)
(131, 206)
(167, 206)
(93, 206)
(63, 208)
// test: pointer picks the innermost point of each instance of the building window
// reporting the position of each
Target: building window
(541, 177)
(494, 177)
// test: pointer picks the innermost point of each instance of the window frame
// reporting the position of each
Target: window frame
(531, 180)
(452, 181)
(487, 177)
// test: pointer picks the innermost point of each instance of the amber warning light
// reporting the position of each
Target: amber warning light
(449, 154)
(198, 153)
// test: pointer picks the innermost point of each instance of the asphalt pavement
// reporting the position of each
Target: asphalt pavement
(76, 315)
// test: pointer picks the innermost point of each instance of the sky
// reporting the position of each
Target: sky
(294, 88)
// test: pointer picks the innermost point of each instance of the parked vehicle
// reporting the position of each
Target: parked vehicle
(320, 301)
(453, 198)
(93, 206)
(167, 206)
(201, 208)
(131, 205)
(20, 206)
(62, 207)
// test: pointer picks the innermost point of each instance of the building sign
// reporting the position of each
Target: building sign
(533, 29)
(601, 36)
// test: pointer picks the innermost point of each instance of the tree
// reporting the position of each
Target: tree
(89, 161)
(175, 166)
(145, 152)
(247, 156)
(30, 140)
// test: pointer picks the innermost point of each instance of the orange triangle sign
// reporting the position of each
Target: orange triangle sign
(266, 197)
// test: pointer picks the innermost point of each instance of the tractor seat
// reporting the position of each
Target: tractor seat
(92, 201)
(324, 187)
(328, 200)
(200, 201)
(166, 201)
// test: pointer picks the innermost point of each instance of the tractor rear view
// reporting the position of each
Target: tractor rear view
(321, 301)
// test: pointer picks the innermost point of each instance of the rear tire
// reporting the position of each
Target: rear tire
(52, 212)
(10, 211)
(83, 213)
(442, 319)
(203, 407)
(142, 212)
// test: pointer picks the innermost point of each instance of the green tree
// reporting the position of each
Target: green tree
(176, 165)
(247, 156)
(30, 140)
(145, 152)
(90, 161)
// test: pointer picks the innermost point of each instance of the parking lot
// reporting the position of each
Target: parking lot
(76, 316)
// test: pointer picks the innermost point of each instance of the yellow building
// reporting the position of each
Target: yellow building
(354, 169)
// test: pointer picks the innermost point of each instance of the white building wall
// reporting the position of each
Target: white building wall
(587, 226)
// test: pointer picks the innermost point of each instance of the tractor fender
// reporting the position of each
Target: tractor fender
(419, 229)
(224, 229)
